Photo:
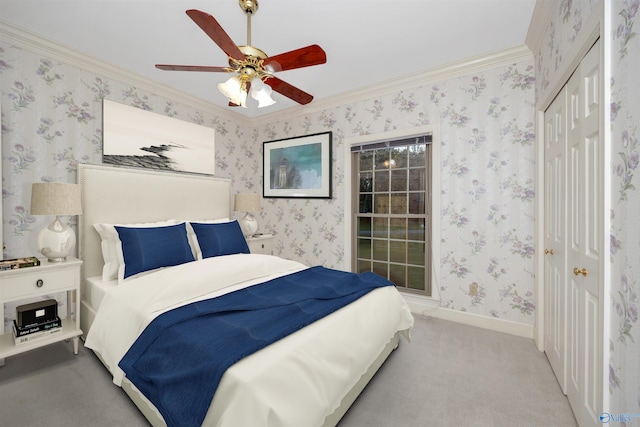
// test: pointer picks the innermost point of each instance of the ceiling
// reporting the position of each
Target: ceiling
(366, 42)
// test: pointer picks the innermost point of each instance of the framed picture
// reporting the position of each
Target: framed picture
(298, 167)
(138, 138)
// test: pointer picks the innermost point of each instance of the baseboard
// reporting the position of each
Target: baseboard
(431, 308)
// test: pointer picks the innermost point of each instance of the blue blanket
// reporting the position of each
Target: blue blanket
(179, 359)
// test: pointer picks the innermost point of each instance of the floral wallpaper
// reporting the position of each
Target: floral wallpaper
(623, 283)
(624, 367)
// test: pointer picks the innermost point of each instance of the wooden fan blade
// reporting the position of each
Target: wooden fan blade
(214, 30)
(299, 58)
(169, 67)
(289, 91)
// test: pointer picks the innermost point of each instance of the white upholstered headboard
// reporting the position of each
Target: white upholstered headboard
(118, 195)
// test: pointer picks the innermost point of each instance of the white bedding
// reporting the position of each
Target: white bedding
(95, 289)
(296, 381)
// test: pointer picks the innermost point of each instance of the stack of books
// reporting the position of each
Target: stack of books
(12, 264)
(23, 335)
(36, 320)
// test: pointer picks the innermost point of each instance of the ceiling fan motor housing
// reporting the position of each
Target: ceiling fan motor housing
(251, 66)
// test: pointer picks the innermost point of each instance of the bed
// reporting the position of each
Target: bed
(309, 377)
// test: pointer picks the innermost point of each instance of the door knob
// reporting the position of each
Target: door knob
(548, 251)
(576, 271)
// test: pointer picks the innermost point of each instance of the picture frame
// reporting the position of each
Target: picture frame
(298, 167)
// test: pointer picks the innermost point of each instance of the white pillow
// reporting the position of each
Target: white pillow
(111, 243)
(193, 239)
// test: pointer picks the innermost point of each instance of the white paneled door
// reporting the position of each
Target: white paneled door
(574, 239)
(585, 177)
(555, 235)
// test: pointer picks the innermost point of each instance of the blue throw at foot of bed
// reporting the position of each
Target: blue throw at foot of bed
(179, 359)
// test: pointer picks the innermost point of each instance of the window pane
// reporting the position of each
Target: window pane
(398, 251)
(381, 250)
(416, 179)
(415, 253)
(364, 227)
(400, 156)
(398, 203)
(415, 278)
(364, 248)
(416, 229)
(416, 203)
(366, 203)
(398, 275)
(381, 268)
(399, 180)
(382, 203)
(417, 155)
(364, 265)
(366, 160)
(366, 182)
(380, 228)
(382, 158)
(398, 228)
(381, 181)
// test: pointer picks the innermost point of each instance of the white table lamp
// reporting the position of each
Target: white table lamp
(57, 240)
(247, 202)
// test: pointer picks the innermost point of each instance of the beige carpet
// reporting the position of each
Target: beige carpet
(450, 375)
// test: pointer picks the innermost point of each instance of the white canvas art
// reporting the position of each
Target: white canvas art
(138, 138)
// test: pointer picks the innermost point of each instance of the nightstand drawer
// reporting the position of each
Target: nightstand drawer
(262, 244)
(38, 282)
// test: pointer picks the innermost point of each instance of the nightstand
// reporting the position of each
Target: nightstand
(45, 279)
(261, 244)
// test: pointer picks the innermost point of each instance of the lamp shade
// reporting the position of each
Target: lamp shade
(57, 240)
(55, 198)
(262, 93)
(235, 90)
(247, 202)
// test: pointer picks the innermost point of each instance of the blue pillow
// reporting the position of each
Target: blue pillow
(220, 239)
(146, 249)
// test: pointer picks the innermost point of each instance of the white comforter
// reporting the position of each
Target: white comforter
(296, 381)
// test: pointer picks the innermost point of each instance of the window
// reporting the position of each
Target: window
(392, 224)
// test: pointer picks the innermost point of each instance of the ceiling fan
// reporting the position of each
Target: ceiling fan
(254, 69)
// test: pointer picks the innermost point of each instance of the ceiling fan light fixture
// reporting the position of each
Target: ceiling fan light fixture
(235, 90)
(261, 92)
(251, 63)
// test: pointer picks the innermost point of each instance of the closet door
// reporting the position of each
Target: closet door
(585, 238)
(555, 254)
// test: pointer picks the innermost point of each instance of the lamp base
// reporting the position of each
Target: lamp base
(248, 224)
(56, 241)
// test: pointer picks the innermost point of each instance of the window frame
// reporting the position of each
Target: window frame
(417, 301)
(380, 160)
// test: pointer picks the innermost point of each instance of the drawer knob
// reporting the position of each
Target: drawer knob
(39, 283)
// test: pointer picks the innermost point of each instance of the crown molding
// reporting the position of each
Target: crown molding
(452, 70)
(34, 43)
(39, 45)
(540, 19)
